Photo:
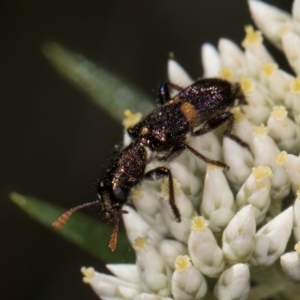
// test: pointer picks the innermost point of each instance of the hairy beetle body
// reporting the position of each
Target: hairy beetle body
(195, 110)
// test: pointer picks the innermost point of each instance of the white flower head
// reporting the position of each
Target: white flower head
(231, 221)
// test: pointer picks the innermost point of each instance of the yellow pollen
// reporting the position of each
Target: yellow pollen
(136, 193)
(282, 30)
(165, 188)
(261, 172)
(182, 263)
(260, 130)
(295, 85)
(88, 274)
(226, 73)
(252, 37)
(237, 114)
(247, 84)
(211, 167)
(279, 113)
(297, 248)
(268, 69)
(199, 223)
(298, 193)
(281, 158)
(131, 119)
(139, 243)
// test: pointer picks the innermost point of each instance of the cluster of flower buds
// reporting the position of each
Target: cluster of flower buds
(235, 221)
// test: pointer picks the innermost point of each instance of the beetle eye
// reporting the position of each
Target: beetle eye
(119, 194)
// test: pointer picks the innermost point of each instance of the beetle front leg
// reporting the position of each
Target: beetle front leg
(164, 92)
(226, 117)
(161, 172)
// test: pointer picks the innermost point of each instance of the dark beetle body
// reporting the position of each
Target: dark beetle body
(127, 170)
(193, 106)
(162, 132)
(195, 110)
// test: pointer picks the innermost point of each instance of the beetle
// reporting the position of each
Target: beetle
(194, 111)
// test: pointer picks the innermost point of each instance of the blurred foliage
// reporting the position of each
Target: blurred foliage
(105, 89)
(84, 231)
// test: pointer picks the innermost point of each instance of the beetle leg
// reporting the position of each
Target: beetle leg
(161, 172)
(206, 159)
(214, 123)
(176, 151)
(164, 92)
(227, 132)
(226, 117)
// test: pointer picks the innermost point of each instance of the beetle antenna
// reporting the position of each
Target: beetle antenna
(62, 220)
(114, 236)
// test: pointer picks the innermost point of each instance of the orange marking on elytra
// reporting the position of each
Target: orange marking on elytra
(189, 111)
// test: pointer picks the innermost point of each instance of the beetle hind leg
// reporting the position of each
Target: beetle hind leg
(226, 117)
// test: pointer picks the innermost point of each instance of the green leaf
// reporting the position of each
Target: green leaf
(85, 232)
(111, 93)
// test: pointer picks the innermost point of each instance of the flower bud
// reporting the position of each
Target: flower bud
(291, 43)
(187, 282)
(255, 51)
(256, 191)
(238, 236)
(146, 199)
(137, 227)
(290, 263)
(283, 130)
(217, 203)
(204, 251)
(153, 270)
(270, 20)
(271, 239)
(177, 75)
(239, 159)
(232, 56)
(110, 286)
(210, 60)
(170, 250)
(234, 283)
(265, 151)
(291, 165)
